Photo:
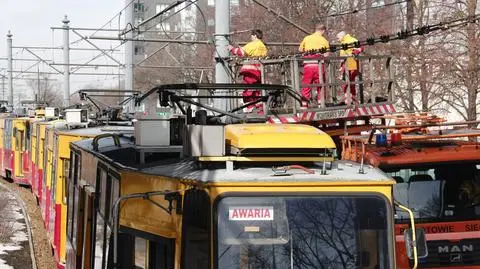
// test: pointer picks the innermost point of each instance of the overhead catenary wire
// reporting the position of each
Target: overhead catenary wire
(118, 14)
(165, 10)
(383, 39)
(357, 10)
(190, 2)
(343, 13)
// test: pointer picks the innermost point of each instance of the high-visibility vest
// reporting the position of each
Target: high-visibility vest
(350, 63)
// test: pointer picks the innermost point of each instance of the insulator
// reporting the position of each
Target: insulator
(423, 30)
(385, 38)
(402, 34)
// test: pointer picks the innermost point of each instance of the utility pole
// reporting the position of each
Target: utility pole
(129, 21)
(9, 69)
(66, 61)
(222, 30)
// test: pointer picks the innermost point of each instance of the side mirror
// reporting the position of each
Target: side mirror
(421, 243)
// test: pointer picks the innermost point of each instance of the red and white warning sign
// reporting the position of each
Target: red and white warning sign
(250, 213)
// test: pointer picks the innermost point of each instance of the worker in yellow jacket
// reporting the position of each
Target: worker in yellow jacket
(350, 67)
(315, 41)
(251, 72)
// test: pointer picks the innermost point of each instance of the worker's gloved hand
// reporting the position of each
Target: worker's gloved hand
(356, 51)
(230, 47)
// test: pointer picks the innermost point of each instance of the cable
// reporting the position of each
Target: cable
(353, 11)
(419, 31)
(118, 14)
(171, 15)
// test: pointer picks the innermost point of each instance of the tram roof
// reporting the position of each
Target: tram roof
(94, 131)
(188, 169)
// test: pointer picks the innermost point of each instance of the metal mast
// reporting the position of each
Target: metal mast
(222, 30)
(66, 61)
(9, 69)
(129, 20)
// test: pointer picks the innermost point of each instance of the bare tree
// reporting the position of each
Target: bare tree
(46, 91)
(436, 72)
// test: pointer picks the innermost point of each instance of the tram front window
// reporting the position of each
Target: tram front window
(303, 232)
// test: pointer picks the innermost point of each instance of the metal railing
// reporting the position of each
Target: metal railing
(374, 82)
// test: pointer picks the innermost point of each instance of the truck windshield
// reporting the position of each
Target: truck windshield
(303, 232)
(436, 193)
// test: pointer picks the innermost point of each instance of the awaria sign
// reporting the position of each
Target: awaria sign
(250, 213)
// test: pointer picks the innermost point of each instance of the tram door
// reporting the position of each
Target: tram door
(19, 146)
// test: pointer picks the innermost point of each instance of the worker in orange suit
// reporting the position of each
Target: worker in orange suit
(251, 72)
(350, 67)
(315, 41)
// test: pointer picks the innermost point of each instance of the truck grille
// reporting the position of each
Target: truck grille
(446, 253)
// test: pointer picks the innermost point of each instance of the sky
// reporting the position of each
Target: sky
(30, 20)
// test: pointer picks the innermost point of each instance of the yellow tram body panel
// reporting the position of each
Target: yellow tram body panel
(139, 215)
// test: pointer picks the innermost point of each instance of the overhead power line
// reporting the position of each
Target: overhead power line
(353, 11)
(343, 13)
(419, 31)
(165, 10)
(116, 15)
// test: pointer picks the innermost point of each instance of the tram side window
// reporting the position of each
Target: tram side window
(27, 135)
(195, 231)
(114, 180)
(18, 139)
(113, 188)
(8, 134)
(54, 175)
(72, 180)
(76, 193)
(161, 254)
(66, 171)
(76, 214)
(102, 231)
(141, 247)
(142, 250)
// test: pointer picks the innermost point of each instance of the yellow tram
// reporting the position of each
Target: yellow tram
(15, 148)
(59, 161)
(234, 196)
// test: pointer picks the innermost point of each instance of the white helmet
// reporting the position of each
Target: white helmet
(341, 35)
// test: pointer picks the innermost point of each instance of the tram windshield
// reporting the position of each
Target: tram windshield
(303, 232)
(444, 192)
